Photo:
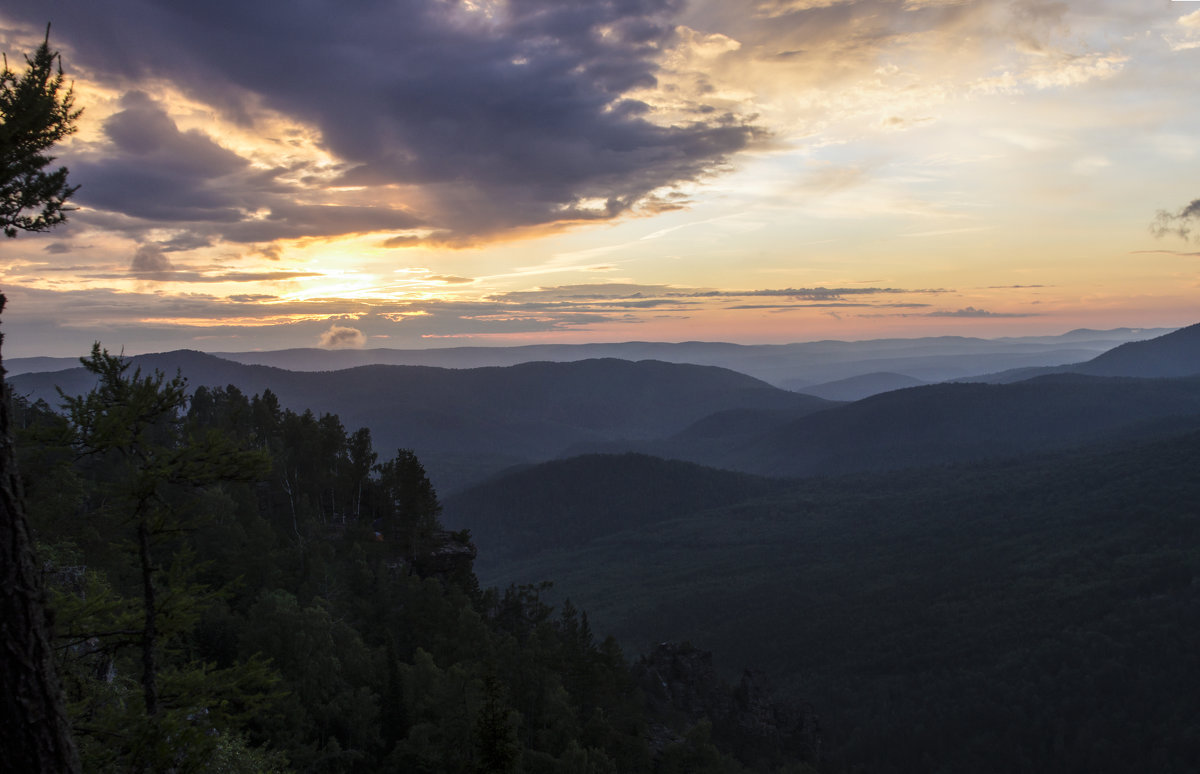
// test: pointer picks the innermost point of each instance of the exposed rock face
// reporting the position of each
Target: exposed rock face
(679, 680)
(450, 555)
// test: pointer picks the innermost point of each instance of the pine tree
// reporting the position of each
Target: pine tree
(129, 432)
(35, 113)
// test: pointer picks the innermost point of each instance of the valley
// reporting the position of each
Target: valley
(994, 575)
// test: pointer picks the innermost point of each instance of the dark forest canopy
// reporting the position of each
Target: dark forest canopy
(241, 587)
(1037, 613)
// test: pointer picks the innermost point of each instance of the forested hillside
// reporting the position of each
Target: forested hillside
(468, 424)
(239, 587)
(243, 582)
(1170, 355)
(565, 503)
(1036, 614)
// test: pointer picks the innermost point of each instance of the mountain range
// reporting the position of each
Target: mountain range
(791, 366)
(1173, 354)
(467, 424)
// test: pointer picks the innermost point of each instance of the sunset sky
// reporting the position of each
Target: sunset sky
(419, 173)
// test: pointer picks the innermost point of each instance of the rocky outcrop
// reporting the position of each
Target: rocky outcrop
(747, 720)
(448, 555)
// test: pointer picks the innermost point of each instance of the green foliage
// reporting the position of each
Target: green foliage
(131, 603)
(36, 111)
(565, 503)
(495, 731)
(309, 614)
(1031, 615)
(696, 754)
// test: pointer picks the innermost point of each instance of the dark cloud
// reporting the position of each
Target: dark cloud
(177, 275)
(826, 305)
(824, 294)
(141, 128)
(57, 248)
(587, 292)
(150, 262)
(154, 175)
(512, 117)
(1179, 223)
(343, 337)
(1167, 252)
(246, 298)
(604, 298)
(971, 311)
(289, 221)
(125, 185)
(597, 292)
(254, 276)
(402, 241)
(153, 171)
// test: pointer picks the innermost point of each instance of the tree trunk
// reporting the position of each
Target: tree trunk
(150, 628)
(35, 735)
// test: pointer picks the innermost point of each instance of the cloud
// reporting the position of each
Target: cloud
(1189, 35)
(491, 117)
(585, 293)
(153, 171)
(971, 311)
(142, 128)
(152, 175)
(1166, 252)
(827, 305)
(270, 252)
(342, 337)
(546, 309)
(1179, 223)
(150, 262)
(1067, 69)
(404, 240)
(773, 9)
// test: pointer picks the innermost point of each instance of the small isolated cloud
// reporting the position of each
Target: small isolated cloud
(450, 279)
(1178, 223)
(343, 337)
(150, 262)
(57, 248)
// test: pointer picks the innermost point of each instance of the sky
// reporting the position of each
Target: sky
(430, 173)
